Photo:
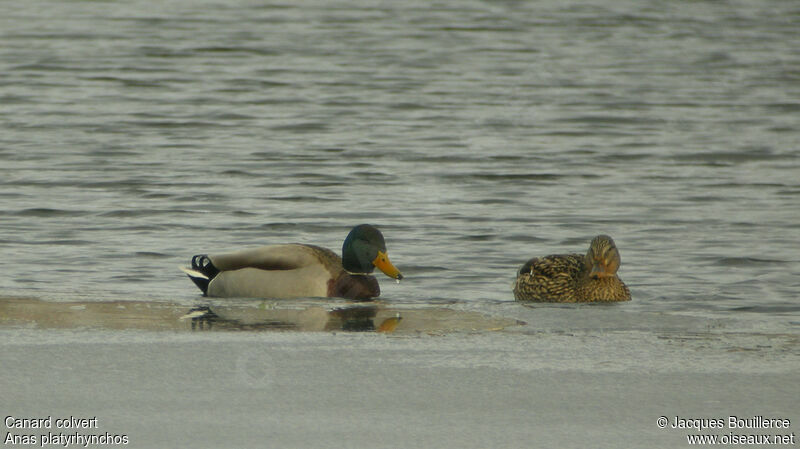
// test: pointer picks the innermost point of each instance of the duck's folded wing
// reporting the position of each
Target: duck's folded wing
(277, 257)
(554, 266)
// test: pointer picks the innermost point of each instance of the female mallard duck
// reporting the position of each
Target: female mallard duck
(574, 277)
(297, 270)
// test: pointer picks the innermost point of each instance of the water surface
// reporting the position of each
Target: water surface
(474, 134)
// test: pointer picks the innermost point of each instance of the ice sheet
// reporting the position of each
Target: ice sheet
(570, 377)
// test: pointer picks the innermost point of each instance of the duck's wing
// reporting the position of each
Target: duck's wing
(266, 265)
(276, 257)
(550, 278)
(553, 266)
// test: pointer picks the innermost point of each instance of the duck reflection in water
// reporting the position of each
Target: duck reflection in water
(306, 315)
(355, 318)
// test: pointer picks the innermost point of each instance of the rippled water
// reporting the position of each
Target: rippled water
(474, 134)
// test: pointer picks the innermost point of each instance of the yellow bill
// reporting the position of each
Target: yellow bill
(382, 263)
(390, 324)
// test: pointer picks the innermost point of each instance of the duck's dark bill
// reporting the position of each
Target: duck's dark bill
(600, 271)
(297, 315)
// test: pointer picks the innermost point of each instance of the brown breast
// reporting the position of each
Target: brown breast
(354, 286)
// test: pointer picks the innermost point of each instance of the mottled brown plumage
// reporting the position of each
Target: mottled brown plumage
(574, 277)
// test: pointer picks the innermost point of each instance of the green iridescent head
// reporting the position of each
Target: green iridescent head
(364, 249)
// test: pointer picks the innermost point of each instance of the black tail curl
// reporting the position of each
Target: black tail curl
(201, 263)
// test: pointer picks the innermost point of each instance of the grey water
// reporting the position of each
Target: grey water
(475, 134)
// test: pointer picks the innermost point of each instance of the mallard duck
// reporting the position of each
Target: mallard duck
(297, 270)
(574, 277)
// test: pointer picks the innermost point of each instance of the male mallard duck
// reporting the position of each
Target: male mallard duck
(574, 277)
(297, 270)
